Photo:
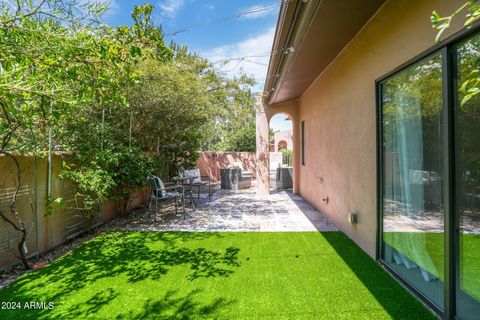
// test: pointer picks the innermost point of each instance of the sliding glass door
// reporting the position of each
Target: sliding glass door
(429, 175)
(413, 217)
(467, 178)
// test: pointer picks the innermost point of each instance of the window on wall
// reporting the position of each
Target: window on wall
(303, 142)
(429, 174)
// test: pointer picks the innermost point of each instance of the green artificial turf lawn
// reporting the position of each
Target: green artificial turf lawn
(181, 275)
(429, 255)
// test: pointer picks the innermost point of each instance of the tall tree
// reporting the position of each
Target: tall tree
(56, 58)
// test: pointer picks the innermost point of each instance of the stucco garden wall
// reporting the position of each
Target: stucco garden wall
(46, 231)
(210, 163)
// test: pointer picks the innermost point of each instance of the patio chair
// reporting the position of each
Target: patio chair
(164, 192)
(245, 173)
(198, 182)
(245, 179)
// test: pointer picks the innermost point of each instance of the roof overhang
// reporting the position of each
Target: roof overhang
(309, 35)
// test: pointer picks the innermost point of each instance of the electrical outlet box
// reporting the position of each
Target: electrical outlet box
(353, 218)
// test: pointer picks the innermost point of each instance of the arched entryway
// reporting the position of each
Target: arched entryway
(264, 116)
(281, 159)
(282, 145)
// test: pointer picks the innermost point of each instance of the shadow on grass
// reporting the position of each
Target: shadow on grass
(92, 305)
(136, 256)
(396, 300)
(172, 306)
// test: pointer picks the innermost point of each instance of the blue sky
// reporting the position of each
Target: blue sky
(248, 35)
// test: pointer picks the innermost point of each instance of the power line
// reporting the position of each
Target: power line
(239, 63)
(245, 59)
(255, 62)
(255, 55)
(237, 15)
(241, 59)
(233, 16)
(234, 68)
(260, 55)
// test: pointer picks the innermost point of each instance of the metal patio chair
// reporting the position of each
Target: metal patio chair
(164, 192)
(198, 182)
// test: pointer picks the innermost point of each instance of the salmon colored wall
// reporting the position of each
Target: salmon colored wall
(51, 228)
(339, 114)
(210, 163)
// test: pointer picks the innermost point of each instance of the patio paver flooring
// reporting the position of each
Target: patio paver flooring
(242, 210)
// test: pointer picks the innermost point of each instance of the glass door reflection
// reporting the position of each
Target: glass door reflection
(413, 217)
(467, 179)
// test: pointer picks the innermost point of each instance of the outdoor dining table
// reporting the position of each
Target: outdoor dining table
(187, 181)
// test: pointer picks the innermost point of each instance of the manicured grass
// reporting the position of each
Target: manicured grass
(179, 275)
(429, 254)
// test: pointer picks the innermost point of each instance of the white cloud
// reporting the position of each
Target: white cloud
(170, 8)
(256, 51)
(114, 8)
(209, 6)
(259, 11)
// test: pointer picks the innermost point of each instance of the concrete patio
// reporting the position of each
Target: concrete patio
(242, 210)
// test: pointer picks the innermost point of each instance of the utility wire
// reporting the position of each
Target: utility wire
(233, 16)
(239, 63)
(245, 59)
(255, 55)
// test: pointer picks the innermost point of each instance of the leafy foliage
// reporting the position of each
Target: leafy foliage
(234, 128)
(107, 175)
(57, 61)
(92, 186)
(471, 86)
(239, 136)
(443, 23)
(186, 105)
(119, 100)
(287, 156)
(170, 108)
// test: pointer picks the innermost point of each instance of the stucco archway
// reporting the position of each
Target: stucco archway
(282, 144)
(263, 117)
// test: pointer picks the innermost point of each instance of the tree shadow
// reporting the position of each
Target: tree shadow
(173, 306)
(396, 300)
(137, 256)
(92, 305)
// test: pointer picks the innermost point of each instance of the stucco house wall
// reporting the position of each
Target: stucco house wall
(339, 110)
